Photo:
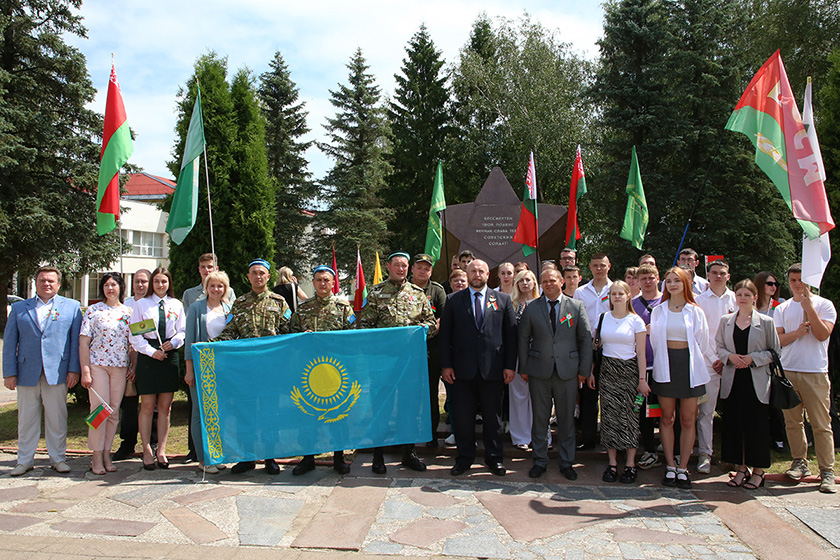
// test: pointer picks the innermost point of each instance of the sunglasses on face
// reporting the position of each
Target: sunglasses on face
(774, 284)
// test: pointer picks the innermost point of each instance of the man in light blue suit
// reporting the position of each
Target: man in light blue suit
(41, 361)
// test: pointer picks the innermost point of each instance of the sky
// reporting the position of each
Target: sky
(155, 45)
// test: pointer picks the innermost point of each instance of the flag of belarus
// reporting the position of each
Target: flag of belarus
(116, 149)
(768, 115)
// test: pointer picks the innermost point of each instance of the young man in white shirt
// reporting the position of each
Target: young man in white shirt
(716, 301)
(595, 296)
(804, 324)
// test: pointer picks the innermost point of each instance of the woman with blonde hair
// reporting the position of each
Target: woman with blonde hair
(287, 287)
(683, 357)
(623, 374)
(506, 278)
(206, 319)
(524, 291)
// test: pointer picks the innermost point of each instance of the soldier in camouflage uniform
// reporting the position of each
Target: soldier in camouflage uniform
(258, 313)
(323, 312)
(397, 303)
(421, 276)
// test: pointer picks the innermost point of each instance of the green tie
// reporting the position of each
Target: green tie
(161, 321)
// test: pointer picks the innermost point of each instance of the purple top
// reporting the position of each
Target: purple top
(643, 311)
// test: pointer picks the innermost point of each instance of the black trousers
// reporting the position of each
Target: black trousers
(467, 395)
(589, 413)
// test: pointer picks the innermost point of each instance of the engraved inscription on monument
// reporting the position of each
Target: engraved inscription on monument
(497, 230)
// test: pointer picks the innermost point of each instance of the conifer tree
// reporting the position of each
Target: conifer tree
(242, 196)
(420, 123)
(352, 190)
(49, 145)
(287, 165)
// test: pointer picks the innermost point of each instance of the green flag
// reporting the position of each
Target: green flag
(184, 208)
(434, 231)
(636, 216)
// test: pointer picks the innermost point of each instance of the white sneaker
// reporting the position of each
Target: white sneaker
(450, 440)
(209, 469)
(61, 467)
(704, 465)
(648, 461)
(20, 470)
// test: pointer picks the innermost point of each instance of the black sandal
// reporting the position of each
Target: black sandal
(749, 485)
(629, 475)
(611, 473)
(735, 483)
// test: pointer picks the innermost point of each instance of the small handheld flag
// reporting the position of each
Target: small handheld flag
(145, 326)
(98, 414)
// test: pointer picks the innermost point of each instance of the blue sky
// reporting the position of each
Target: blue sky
(156, 43)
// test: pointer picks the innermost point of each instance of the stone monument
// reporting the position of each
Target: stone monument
(486, 227)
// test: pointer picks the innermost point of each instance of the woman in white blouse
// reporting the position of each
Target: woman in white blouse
(157, 373)
(524, 291)
(206, 319)
(623, 374)
(683, 355)
(103, 353)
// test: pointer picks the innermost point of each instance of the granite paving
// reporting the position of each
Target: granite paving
(406, 514)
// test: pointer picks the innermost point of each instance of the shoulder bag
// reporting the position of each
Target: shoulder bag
(782, 393)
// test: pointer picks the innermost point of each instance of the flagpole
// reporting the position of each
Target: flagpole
(121, 251)
(209, 206)
(696, 201)
(536, 219)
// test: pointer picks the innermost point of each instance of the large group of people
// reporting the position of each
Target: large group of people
(539, 350)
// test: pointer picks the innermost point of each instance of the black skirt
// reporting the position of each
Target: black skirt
(680, 385)
(154, 376)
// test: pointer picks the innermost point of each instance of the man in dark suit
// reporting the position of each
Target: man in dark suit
(478, 356)
(555, 355)
(40, 362)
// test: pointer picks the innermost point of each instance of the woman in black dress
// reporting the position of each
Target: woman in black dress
(743, 342)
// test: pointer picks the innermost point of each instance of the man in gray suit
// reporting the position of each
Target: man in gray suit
(555, 355)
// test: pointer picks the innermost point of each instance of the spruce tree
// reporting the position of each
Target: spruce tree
(49, 145)
(669, 76)
(420, 123)
(354, 214)
(287, 165)
(241, 194)
(828, 130)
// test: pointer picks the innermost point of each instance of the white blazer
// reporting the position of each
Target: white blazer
(700, 351)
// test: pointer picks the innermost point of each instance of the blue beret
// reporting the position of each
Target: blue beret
(261, 262)
(323, 268)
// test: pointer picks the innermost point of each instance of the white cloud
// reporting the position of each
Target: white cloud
(156, 43)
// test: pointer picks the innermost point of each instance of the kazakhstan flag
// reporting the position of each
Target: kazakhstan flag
(310, 393)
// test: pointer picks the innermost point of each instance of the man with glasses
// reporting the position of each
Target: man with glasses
(690, 258)
(568, 257)
(717, 301)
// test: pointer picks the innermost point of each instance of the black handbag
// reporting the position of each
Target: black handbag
(782, 393)
(597, 349)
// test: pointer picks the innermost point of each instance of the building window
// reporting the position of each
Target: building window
(93, 285)
(145, 243)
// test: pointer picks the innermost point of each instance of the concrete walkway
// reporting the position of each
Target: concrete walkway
(174, 514)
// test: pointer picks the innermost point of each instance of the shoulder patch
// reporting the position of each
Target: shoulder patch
(288, 314)
(351, 319)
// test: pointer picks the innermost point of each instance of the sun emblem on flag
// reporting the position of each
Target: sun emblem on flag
(325, 390)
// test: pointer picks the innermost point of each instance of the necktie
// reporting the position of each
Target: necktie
(479, 311)
(161, 321)
(553, 315)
